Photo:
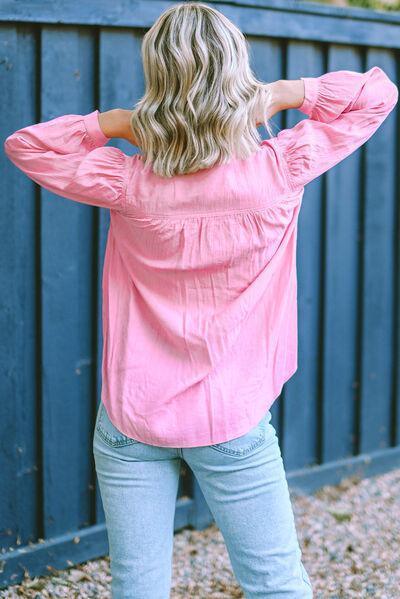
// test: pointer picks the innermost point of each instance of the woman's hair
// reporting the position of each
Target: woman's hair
(202, 100)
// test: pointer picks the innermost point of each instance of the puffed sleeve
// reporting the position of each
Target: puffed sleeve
(66, 155)
(344, 110)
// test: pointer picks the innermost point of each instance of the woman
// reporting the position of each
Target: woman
(199, 286)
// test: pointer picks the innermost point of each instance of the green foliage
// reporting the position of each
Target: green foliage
(375, 4)
(388, 5)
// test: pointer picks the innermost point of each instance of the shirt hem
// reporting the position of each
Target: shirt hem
(257, 415)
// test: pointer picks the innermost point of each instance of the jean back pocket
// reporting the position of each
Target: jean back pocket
(108, 432)
(247, 442)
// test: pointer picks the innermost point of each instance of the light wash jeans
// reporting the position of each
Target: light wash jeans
(244, 484)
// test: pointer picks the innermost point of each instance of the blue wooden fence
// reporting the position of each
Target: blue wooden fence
(338, 415)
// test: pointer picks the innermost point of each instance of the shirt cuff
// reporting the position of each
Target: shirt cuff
(94, 130)
(311, 90)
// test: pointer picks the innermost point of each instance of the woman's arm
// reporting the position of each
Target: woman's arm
(116, 123)
(344, 110)
(285, 93)
(67, 155)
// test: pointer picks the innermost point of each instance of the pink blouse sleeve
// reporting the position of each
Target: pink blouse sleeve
(345, 108)
(66, 156)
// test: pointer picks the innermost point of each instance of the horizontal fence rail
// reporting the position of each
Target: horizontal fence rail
(339, 414)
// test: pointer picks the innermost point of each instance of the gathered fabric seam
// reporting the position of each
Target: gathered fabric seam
(217, 214)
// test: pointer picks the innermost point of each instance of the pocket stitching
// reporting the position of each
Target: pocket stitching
(114, 443)
(111, 441)
(232, 451)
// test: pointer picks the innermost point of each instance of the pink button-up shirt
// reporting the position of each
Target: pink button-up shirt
(199, 282)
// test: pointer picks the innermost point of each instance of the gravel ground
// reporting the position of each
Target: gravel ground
(349, 535)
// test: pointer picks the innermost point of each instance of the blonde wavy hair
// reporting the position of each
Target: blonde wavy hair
(202, 103)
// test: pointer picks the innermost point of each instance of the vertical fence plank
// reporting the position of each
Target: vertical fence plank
(302, 394)
(377, 310)
(67, 85)
(341, 283)
(396, 290)
(19, 467)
